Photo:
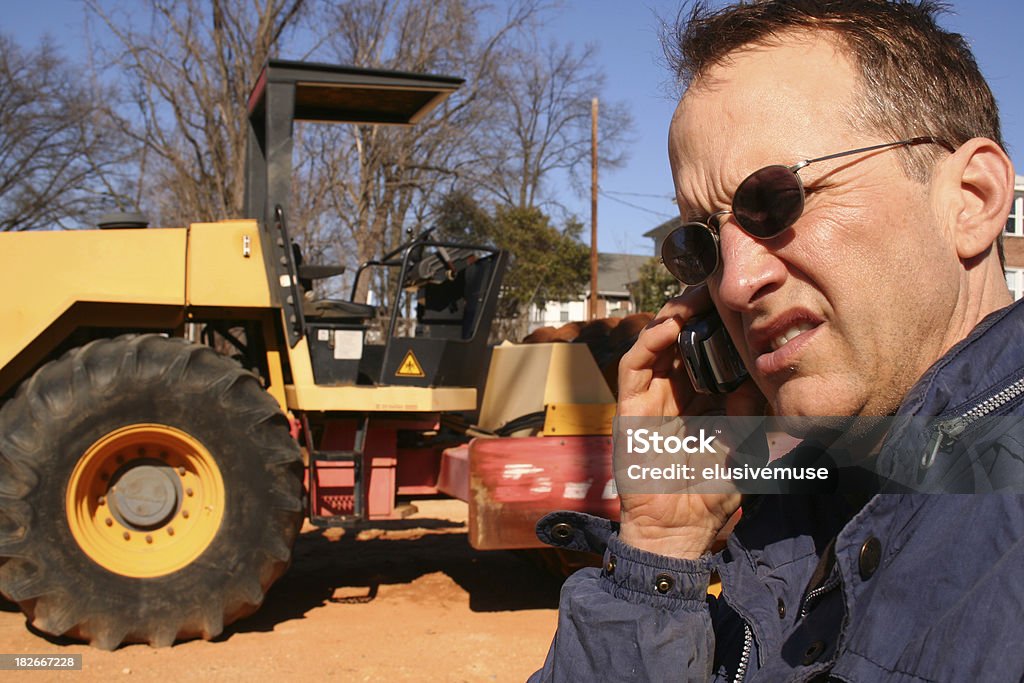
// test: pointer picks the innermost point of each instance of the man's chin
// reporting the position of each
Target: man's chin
(805, 397)
(823, 428)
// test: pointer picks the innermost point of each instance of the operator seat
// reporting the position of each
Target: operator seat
(327, 310)
(337, 309)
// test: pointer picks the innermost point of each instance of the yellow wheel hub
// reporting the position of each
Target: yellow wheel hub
(145, 500)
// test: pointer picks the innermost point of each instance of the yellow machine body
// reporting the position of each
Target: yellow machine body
(560, 380)
(161, 279)
(58, 282)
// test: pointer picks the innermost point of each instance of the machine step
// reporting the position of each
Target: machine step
(329, 521)
(336, 456)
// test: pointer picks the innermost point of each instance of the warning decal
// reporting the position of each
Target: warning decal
(409, 367)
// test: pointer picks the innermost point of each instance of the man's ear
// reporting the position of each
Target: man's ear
(977, 191)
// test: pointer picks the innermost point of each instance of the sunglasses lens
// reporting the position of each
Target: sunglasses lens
(768, 201)
(690, 253)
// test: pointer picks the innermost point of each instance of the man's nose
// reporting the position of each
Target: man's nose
(750, 269)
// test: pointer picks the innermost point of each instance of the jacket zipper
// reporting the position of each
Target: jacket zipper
(947, 431)
(813, 595)
(748, 645)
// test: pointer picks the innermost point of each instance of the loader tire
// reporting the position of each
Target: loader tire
(149, 492)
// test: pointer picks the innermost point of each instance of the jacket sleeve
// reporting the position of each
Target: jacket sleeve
(642, 617)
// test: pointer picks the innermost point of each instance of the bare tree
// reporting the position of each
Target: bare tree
(188, 77)
(539, 131)
(541, 124)
(58, 161)
(522, 116)
(385, 178)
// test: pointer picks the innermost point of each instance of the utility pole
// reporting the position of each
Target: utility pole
(592, 310)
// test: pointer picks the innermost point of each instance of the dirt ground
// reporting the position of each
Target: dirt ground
(404, 601)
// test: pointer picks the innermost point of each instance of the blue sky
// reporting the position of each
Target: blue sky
(626, 32)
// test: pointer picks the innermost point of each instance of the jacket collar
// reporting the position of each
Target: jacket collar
(974, 369)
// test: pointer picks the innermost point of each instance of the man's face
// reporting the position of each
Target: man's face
(842, 313)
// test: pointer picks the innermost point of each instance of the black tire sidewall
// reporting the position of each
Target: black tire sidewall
(224, 409)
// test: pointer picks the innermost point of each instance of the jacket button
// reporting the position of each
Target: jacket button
(782, 609)
(610, 565)
(562, 532)
(663, 583)
(870, 557)
(813, 651)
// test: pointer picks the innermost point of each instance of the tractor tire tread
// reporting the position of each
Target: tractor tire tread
(95, 376)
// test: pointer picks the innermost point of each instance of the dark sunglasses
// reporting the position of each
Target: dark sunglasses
(766, 203)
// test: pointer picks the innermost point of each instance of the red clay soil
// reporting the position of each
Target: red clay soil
(404, 601)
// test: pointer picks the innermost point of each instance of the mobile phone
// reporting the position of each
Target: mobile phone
(712, 361)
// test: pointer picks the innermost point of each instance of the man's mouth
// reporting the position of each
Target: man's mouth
(777, 345)
(791, 333)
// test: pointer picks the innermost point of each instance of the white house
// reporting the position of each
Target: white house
(614, 273)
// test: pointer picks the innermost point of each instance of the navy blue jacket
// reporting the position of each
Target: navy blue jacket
(907, 587)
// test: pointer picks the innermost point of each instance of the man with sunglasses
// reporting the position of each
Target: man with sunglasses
(843, 188)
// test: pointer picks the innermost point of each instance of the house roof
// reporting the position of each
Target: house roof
(616, 271)
(659, 232)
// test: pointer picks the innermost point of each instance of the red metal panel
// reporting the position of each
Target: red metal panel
(335, 480)
(454, 477)
(393, 471)
(417, 471)
(335, 489)
(515, 481)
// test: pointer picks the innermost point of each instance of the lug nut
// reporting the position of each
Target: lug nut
(102, 500)
(170, 531)
(184, 513)
(188, 492)
(126, 535)
(181, 471)
(108, 521)
(149, 539)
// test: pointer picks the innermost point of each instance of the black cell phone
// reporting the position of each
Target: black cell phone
(711, 359)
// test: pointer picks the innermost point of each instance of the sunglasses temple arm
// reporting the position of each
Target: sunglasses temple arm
(912, 141)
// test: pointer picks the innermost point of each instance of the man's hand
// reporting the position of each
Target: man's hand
(652, 382)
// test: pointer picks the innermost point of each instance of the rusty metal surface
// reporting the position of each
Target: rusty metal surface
(515, 481)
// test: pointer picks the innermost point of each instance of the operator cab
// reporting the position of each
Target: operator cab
(452, 287)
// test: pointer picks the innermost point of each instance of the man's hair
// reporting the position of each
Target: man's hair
(915, 77)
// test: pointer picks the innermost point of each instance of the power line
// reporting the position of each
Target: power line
(641, 194)
(634, 206)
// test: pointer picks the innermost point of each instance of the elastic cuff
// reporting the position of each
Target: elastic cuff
(576, 531)
(640, 576)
